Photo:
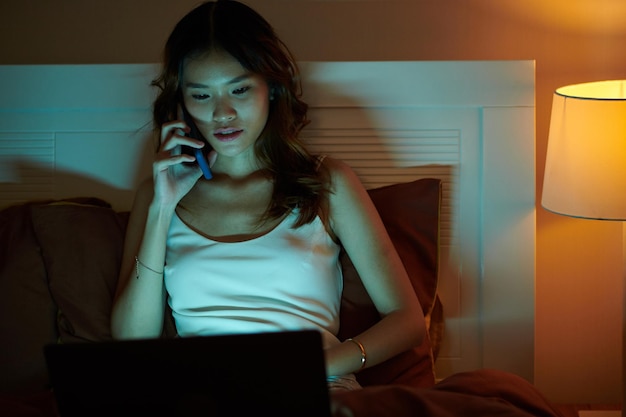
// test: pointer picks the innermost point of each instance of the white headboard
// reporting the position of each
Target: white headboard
(71, 130)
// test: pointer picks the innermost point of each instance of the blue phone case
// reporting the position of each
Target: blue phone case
(203, 163)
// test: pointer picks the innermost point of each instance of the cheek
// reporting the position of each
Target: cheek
(194, 110)
(258, 110)
(262, 102)
(189, 103)
(201, 114)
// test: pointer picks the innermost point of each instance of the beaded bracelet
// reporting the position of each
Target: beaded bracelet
(138, 262)
(362, 349)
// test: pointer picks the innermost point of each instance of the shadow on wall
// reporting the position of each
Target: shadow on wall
(102, 165)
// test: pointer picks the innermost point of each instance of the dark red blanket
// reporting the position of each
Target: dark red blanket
(482, 393)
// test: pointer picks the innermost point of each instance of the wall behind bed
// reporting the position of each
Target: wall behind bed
(577, 337)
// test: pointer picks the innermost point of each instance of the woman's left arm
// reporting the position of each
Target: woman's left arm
(356, 223)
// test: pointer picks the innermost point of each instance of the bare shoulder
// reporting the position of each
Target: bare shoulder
(341, 174)
(349, 202)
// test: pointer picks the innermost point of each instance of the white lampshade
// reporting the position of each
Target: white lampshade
(585, 172)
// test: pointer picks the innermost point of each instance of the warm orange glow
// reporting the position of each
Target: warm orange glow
(589, 16)
(585, 172)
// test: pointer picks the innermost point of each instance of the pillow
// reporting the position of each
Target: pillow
(82, 266)
(25, 300)
(410, 212)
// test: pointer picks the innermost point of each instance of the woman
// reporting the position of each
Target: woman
(256, 247)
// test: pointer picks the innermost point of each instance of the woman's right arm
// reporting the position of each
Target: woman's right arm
(139, 302)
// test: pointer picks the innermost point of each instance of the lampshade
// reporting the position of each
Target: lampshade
(585, 173)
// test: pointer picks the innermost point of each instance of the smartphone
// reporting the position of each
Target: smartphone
(199, 154)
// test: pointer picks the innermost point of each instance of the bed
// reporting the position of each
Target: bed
(440, 146)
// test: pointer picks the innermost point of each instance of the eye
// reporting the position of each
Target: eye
(200, 97)
(240, 90)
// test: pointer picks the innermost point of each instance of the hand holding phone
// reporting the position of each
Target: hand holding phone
(203, 163)
(199, 154)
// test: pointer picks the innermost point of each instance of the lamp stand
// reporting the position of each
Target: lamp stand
(617, 413)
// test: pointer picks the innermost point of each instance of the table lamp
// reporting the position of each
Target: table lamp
(585, 173)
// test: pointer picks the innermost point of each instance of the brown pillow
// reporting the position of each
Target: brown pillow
(25, 306)
(81, 246)
(410, 212)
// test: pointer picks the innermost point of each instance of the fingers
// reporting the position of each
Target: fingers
(169, 154)
(171, 170)
(175, 133)
(166, 160)
(173, 137)
(173, 177)
(168, 130)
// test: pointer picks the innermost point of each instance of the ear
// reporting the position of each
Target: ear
(274, 90)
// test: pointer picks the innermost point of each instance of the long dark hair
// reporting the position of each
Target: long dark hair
(240, 31)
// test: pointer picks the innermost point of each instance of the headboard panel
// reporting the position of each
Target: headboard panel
(72, 130)
(472, 125)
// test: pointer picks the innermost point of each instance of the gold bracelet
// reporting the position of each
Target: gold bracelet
(138, 262)
(362, 349)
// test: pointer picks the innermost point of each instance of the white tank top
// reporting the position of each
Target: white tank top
(287, 279)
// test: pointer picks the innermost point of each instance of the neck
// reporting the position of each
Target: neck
(237, 168)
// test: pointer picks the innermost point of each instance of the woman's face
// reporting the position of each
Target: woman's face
(229, 105)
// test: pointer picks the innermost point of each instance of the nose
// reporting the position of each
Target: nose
(224, 111)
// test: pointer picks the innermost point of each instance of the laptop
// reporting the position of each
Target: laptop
(274, 374)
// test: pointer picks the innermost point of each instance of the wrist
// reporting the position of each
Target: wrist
(345, 358)
(161, 211)
(361, 348)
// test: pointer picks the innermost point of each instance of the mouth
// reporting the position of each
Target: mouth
(227, 134)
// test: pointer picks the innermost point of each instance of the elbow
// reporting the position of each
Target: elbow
(123, 328)
(118, 330)
(419, 331)
(410, 328)
(415, 328)
(129, 333)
